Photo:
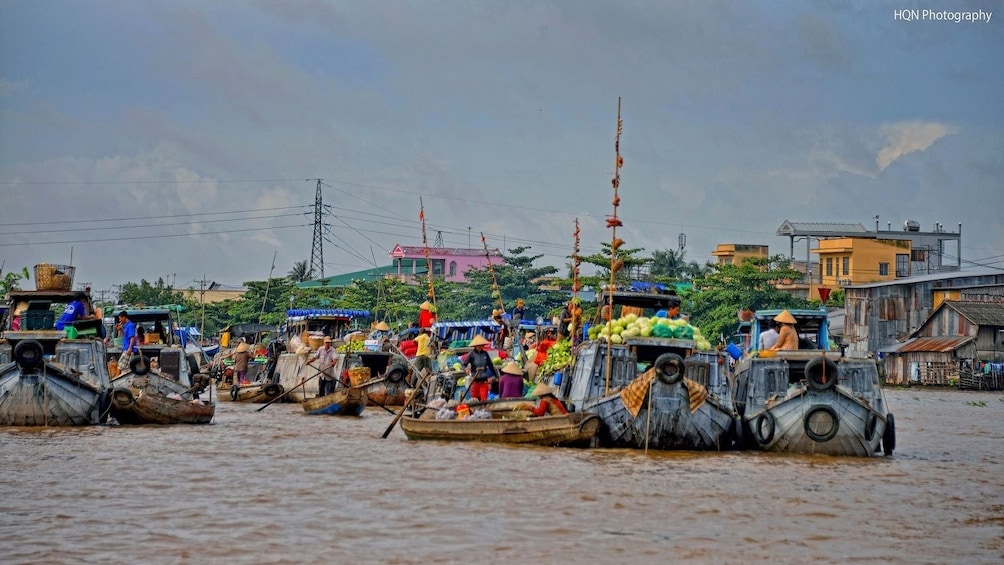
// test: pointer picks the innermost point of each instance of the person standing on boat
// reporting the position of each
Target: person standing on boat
(518, 313)
(511, 381)
(503, 332)
(74, 311)
(426, 317)
(130, 342)
(769, 337)
(242, 357)
(325, 357)
(549, 405)
(478, 364)
(423, 354)
(787, 337)
(673, 311)
(564, 320)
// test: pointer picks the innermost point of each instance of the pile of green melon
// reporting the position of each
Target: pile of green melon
(633, 325)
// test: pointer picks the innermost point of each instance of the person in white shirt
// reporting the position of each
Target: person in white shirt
(769, 337)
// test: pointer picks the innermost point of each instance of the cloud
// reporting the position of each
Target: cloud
(906, 137)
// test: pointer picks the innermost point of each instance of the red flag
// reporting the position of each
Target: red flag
(421, 213)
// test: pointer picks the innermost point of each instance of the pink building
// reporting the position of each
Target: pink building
(448, 262)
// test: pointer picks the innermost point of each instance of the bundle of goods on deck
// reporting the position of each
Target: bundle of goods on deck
(634, 326)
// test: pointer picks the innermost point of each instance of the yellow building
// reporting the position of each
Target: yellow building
(736, 253)
(848, 261)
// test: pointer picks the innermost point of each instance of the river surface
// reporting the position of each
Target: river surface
(278, 486)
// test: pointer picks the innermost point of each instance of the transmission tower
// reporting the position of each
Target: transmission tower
(439, 240)
(317, 250)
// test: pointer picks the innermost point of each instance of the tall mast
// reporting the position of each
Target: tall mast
(613, 222)
(431, 293)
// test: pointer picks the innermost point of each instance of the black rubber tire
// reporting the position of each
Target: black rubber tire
(871, 422)
(821, 438)
(821, 374)
(139, 365)
(193, 364)
(396, 373)
(669, 368)
(29, 354)
(272, 390)
(121, 396)
(889, 437)
(234, 390)
(104, 405)
(756, 427)
(738, 434)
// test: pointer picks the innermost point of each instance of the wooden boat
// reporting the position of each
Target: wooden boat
(575, 429)
(659, 393)
(259, 392)
(811, 400)
(155, 399)
(390, 374)
(46, 378)
(342, 402)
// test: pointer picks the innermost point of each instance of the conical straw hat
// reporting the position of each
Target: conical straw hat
(785, 318)
(382, 326)
(511, 368)
(542, 390)
(478, 340)
(425, 305)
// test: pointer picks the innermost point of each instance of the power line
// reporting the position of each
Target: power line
(157, 217)
(106, 228)
(146, 236)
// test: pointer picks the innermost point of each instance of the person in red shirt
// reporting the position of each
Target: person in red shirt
(548, 405)
(426, 317)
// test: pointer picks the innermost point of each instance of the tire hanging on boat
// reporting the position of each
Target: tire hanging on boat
(669, 368)
(139, 365)
(104, 405)
(871, 422)
(272, 390)
(234, 391)
(821, 374)
(763, 437)
(889, 436)
(811, 431)
(28, 354)
(396, 373)
(122, 397)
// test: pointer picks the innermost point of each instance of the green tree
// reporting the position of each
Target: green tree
(12, 280)
(720, 295)
(146, 294)
(631, 262)
(669, 263)
(301, 272)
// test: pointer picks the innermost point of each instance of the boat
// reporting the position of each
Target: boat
(154, 399)
(344, 401)
(646, 398)
(576, 429)
(258, 392)
(161, 384)
(813, 400)
(51, 377)
(388, 377)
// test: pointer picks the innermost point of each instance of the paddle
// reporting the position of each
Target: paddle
(407, 402)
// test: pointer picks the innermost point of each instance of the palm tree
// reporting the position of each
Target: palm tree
(301, 272)
(669, 263)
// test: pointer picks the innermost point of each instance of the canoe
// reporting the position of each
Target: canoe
(341, 402)
(258, 392)
(576, 429)
(155, 399)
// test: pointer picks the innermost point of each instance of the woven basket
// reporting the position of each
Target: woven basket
(53, 277)
(359, 375)
(315, 342)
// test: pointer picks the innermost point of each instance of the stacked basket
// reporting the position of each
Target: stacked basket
(53, 277)
(358, 375)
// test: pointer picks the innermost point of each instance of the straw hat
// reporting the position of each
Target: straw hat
(496, 313)
(243, 347)
(478, 340)
(785, 317)
(382, 326)
(542, 390)
(529, 335)
(327, 339)
(425, 305)
(511, 368)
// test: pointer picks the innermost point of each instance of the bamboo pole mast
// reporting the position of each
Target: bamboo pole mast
(431, 293)
(491, 270)
(613, 222)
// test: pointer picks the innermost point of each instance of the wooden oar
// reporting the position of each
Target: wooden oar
(276, 399)
(407, 402)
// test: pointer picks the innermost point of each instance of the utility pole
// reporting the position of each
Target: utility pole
(202, 300)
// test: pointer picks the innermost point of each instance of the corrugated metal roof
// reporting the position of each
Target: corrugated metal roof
(928, 344)
(802, 228)
(980, 313)
(937, 277)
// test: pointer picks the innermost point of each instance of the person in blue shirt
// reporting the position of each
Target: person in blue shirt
(74, 311)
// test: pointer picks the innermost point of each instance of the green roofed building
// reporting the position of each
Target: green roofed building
(346, 279)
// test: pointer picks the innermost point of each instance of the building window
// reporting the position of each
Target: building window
(829, 266)
(437, 266)
(847, 266)
(902, 265)
(883, 269)
(453, 268)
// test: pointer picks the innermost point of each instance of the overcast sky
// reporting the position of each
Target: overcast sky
(176, 139)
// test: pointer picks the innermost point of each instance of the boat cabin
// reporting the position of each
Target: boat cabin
(332, 322)
(35, 314)
(451, 332)
(812, 327)
(159, 342)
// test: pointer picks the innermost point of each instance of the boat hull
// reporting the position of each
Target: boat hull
(341, 402)
(142, 400)
(572, 430)
(258, 393)
(50, 396)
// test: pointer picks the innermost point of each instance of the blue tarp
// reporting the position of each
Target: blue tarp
(326, 312)
(465, 330)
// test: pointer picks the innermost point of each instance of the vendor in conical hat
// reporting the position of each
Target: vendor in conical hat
(548, 405)
(380, 330)
(511, 381)
(478, 364)
(241, 359)
(787, 337)
(426, 317)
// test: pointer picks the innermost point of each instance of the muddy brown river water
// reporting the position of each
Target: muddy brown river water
(280, 487)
